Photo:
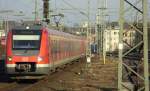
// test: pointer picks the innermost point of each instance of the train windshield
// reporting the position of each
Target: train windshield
(26, 39)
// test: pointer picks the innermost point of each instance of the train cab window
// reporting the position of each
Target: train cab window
(26, 39)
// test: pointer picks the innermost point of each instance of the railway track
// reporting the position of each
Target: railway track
(69, 77)
(21, 85)
(25, 85)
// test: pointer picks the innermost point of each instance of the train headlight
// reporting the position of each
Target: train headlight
(9, 58)
(40, 59)
(27, 27)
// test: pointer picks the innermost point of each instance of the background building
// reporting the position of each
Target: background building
(111, 37)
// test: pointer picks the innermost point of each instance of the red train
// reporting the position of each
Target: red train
(34, 51)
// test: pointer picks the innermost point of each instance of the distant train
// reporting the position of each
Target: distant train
(31, 52)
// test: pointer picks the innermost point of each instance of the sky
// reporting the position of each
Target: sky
(74, 16)
(24, 9)
(17, 6)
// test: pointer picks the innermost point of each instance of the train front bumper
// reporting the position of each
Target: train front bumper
(40, 69)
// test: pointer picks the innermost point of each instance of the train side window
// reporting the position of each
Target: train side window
(58, 46)
(54, 48)
(67, 46)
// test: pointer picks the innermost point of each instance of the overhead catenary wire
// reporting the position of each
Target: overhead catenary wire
(81, 12)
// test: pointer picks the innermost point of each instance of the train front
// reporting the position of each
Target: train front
(26, 52)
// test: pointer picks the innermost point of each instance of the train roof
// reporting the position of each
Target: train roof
(37, 27)
(60, 33)
(51, 31)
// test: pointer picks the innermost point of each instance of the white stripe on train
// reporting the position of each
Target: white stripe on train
(37, 65)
